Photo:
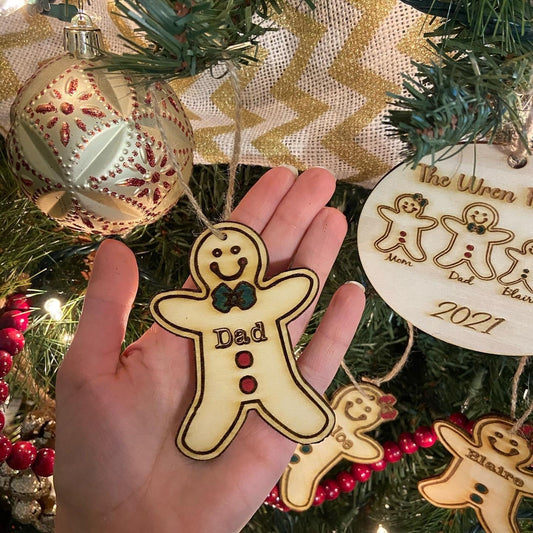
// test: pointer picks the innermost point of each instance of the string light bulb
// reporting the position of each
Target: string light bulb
(53, 307)
(66, 338)
(381, 529)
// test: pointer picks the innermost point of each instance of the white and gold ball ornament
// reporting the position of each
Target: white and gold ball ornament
(93, 149)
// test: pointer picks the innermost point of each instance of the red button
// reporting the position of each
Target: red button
(468, 255)
(248, 384)
(244, 359)
(403, 234)
(469, 247)
(401, 239)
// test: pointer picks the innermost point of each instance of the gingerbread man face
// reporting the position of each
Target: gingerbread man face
(234, 258)
(357, 411)
(498, 437)
(362, 407)
(480, 214)
(410, 204)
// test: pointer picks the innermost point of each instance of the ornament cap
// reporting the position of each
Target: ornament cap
(82, 39)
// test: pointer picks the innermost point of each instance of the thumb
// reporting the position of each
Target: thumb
(112, 288)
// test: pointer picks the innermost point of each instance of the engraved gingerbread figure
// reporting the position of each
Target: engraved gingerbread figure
(244, 359)
(405, 224)
(521, 269)
(473, 238)
(357, 411)
(488, 472)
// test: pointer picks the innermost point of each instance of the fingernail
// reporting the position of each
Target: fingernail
(323, 168)
(360, 285)
(294, 170)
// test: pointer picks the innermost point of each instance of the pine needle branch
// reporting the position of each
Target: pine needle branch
(477, 83)
(183, 38)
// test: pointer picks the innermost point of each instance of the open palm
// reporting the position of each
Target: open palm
(117, 465)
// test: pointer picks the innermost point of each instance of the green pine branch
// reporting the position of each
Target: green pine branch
(477, 83)
(188, 37)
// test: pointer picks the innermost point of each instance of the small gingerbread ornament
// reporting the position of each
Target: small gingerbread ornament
(488, 472)
(244, 358)
(357, 411)
(405, 224)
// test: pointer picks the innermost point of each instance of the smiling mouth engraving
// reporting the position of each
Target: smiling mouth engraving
(242, 262)
(349, 405)
(493, 441)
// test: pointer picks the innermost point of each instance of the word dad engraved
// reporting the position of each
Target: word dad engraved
(357, 411)
(449, 246)
(489, 472)
(244, 359)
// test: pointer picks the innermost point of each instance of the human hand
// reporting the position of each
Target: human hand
(117, 466)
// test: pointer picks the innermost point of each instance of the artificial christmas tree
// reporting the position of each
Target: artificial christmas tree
(439, 380)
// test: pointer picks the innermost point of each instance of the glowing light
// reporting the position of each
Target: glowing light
(381, 529)
(53, 307)
(10, 6)
(66, 338)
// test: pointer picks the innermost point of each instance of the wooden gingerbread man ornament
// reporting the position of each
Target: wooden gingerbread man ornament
(488, 472)
(357, 410)
(244, 359)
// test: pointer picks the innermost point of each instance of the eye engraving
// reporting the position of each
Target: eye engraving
(235, 250)
(217, 252)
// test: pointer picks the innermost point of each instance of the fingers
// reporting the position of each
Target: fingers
(318, 250)
(97, 344)
(294, 214)
(322, 356)
(261, 201)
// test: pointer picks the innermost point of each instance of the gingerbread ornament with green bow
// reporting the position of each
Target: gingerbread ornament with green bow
(237, 318)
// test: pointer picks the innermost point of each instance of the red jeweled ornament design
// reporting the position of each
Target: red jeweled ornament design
(94, 149)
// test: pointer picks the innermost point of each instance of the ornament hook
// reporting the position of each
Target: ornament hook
(82, 38)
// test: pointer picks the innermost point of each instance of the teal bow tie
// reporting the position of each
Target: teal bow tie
(242, 296)
(476, 228)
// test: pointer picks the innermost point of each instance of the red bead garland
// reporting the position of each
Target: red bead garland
(331, 489)
(6, 362)
(392, 452)
(360, 472)
(11, 340)
(408, 443)
(20, 455)
(345, 481)
(5, 448)
(44, 462)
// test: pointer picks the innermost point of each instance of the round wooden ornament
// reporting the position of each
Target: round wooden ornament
(449, 246)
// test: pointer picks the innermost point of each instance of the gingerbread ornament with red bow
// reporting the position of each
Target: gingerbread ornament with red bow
(357, 411)
(244, 358)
